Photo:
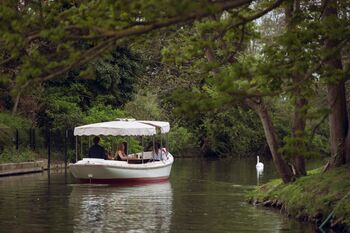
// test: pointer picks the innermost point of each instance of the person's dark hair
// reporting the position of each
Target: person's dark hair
(157, 145)
(96, 140)
(125, 147)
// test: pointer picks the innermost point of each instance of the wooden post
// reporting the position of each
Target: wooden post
(33, 139)
(16, 139)
(30, 138)
(48, 149)
(65, 150)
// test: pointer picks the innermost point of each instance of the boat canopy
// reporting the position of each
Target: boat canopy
(162, 125)
(122, 127)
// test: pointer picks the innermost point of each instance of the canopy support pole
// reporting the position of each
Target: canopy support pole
(161, 146)
(127, 150)
(154, 148)
(143, 147)
(81, 147)
(167, 143)
(76, 148)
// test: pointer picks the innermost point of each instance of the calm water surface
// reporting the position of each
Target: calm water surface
(201, 196)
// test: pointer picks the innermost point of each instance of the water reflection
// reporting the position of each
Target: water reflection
(202, 196)
(122, 209)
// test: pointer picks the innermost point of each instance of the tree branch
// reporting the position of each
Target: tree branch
(113, 36)
(253, 17)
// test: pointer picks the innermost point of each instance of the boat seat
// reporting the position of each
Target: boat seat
(138, 161)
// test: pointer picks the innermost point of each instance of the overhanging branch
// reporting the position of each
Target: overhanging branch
(113, 36)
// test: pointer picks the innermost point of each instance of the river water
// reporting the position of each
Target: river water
(201, 196)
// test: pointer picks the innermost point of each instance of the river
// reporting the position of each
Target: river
(201, 196)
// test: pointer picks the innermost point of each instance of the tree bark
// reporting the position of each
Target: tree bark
(298, 130)
(15, 106)
(346, 65)
(338, 122)
(299, 120)
(259, 107)
(338, 119)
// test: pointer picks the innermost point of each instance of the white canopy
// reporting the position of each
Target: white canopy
(116, 128)
(162, 125)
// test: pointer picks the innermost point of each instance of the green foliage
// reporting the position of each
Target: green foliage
(215, 63)
(71, 101)
(297, 146)
(101, 113)
(61, 107)
(145, 106)
(43, 40)
(180, 139)
(116, 75)
(15, 156)
(8, 124)
(234, 132)
(7, 120)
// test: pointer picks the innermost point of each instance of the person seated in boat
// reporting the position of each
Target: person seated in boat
(109, 155)
(120, 154)
(97, 151)
(159, 152)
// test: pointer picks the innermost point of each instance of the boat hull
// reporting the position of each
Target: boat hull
(110, 171)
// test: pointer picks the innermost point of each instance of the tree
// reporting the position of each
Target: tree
(338, 117)
(216, 40)
(284, 70)
(42, 40)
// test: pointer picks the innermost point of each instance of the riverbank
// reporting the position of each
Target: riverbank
(19, 168)
(313, 198)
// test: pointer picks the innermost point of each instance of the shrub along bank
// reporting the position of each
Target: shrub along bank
(322, 198)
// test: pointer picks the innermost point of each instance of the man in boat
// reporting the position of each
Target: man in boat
(97, 151)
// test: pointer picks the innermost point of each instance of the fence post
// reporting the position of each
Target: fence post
(17, 139)
(65, 149)
(33, 139)
(48, 149)
(30, 138)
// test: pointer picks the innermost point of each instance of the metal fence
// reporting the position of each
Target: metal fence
(54, 145)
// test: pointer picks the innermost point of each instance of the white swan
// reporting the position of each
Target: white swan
(259, 165)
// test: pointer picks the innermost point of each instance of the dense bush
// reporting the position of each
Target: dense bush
(235, 132)
(13, 121)
(180, 140)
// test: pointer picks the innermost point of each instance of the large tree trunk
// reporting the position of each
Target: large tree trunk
(346, 66)
(259, 107)
(338, 119)
(338, 123)
(299, 120)
(298, 130)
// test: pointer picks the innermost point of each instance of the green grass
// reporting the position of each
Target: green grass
(15, 156)
(317, 194)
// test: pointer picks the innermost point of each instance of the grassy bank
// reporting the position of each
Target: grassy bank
(311, 198)
(16, 156)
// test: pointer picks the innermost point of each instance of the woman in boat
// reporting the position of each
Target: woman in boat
(120, 154)
(159, 152)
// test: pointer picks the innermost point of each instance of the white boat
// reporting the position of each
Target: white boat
(140, 167)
